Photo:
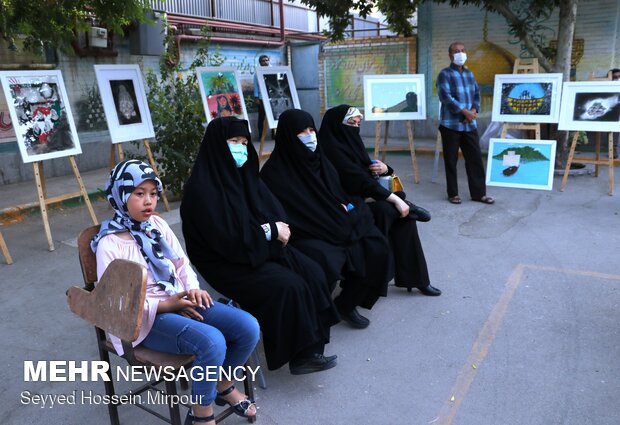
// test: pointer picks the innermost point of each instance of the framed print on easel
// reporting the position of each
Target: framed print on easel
(126, 110)
(221, 92)
(398, 97)
(44, 129)
(278, 92)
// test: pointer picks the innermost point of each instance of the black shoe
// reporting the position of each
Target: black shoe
(418, 213)
(354, 319)
(316, 363)
(431, 291)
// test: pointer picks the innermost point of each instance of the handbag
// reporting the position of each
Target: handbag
(391, 183)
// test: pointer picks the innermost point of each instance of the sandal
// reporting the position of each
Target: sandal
(240, 408)
(485, 200)
(190, 418)
(455, 200)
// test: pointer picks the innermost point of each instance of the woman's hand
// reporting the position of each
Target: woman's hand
(377, 167)
(284, 232)
(399, 204)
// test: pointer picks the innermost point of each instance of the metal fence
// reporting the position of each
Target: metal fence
(262, 12)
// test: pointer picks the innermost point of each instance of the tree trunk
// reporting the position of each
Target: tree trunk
(566, 31)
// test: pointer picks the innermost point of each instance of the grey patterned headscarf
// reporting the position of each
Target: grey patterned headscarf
(124, 178)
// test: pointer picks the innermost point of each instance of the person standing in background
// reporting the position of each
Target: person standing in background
(263, 60)
(459, 95)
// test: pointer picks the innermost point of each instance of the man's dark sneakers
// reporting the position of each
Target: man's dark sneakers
(316, 363)
(354, 319)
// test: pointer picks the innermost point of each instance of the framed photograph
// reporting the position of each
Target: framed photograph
(222, 95)
(41, 114)
(124, 102)
(277, 91)
(521, 163)
(590, 106)
(394, 97)
(527, 98)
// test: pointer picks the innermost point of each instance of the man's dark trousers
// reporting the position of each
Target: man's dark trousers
(468, 141)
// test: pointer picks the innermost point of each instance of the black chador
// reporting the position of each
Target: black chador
(223, 212)
(327, 224)
(344, 147)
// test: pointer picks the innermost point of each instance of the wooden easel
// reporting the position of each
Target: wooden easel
(385, 148)
(117, 149)
(5, 250)
(523, 66)
(261, 146)
(44, 200)
(597, 160)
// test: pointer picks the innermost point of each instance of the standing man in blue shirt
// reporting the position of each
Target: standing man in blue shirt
(460, 103)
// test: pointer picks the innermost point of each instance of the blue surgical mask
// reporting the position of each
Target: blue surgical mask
(309, 140)
(239, 153)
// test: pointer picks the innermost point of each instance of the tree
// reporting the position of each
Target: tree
(522, 17)
(54, 22)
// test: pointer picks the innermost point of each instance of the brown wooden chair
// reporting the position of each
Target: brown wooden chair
(115, 306)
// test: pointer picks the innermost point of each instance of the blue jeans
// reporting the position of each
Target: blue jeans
(225, 337)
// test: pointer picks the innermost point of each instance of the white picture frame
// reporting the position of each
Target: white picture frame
(521, 163)
(124, 102)
(590, 106)
(41, 114)
(277, 90)
(218, 84)
(527, 98)
(394, 97)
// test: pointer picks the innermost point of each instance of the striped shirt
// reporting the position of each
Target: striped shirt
(457, 91)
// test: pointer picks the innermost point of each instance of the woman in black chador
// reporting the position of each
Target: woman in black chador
(236, 236)
(396, 218)
(333, 228)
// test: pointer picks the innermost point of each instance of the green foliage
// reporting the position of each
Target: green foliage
(177, 112)
(53, 22)
(398, 12)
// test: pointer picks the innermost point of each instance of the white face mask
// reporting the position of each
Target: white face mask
(309, 140)
(459, 58)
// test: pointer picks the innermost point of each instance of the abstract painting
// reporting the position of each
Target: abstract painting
(278, 92)
(124, 102)
(591, 106)
(41, 114)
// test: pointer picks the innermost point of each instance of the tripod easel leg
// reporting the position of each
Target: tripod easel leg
(78, 177)
(263, 136)
(414, 162)
(377, 138)
(149, 153)
(385, 140)
(38, 171)
(569, 161)
(610, 152)
(5, 250)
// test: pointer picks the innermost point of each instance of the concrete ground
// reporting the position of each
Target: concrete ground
(526, 331)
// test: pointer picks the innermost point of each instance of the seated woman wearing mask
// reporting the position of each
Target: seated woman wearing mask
(343, 145)
(236, 235)
(333, 228)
